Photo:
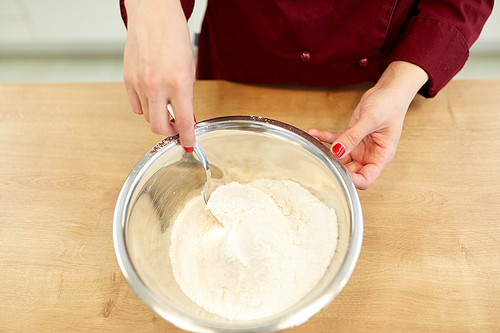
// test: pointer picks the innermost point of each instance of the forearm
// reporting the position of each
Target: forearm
(158, 67)
(157, 9)
(126, 5)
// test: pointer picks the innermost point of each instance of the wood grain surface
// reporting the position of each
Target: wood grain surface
(431, 251)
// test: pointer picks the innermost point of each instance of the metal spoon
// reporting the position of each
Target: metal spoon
(211, 184)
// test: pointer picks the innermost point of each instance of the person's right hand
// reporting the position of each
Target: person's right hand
(159, 67)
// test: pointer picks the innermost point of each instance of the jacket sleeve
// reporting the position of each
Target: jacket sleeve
(187, 6)
(437, 37)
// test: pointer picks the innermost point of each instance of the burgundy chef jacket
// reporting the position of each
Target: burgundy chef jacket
(334, 42)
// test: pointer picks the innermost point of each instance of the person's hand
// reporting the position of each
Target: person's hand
(369, 143)
(159, 67)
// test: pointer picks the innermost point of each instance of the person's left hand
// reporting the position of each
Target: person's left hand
(369, 143)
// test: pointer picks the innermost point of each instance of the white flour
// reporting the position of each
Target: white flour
(271, 245)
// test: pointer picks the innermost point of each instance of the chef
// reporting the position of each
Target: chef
(404, 46)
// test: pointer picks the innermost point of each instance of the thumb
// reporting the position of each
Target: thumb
(350, 138)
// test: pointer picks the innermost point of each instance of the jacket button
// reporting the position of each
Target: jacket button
(363, 62)
(305, 56)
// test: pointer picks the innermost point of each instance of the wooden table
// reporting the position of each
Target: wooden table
(431, 252)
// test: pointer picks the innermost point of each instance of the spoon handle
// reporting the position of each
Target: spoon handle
(197, 148)
(201, 156)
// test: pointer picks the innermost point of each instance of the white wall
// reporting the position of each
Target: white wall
(61, 26)
(79, 26)
(489, 41)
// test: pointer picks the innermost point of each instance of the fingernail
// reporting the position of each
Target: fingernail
(188, 149)
(194, 118)
(338, 150)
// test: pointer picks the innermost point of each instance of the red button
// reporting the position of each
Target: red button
(305, 56)
(363, 62)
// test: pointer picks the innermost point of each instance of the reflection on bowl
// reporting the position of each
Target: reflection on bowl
(239, 149)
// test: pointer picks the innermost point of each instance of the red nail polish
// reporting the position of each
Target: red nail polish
(194, 118)
(338, 150)
(188, 149)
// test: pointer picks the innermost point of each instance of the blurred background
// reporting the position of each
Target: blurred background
(82, 41)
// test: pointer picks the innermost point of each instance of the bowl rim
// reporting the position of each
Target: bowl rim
(292, 319)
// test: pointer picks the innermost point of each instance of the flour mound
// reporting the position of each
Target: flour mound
(268, 245)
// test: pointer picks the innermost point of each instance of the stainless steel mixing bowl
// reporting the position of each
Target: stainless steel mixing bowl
(239, 149)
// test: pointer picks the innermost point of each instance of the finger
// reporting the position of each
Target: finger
(160, 118)
(348, 140)
(346, 159)
(363, 175)
(182, 105)
(144, 105)
(327, 137)
(134, 100)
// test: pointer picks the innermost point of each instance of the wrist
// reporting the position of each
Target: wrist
(151, 7)
(131, 4)
(405, 77)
